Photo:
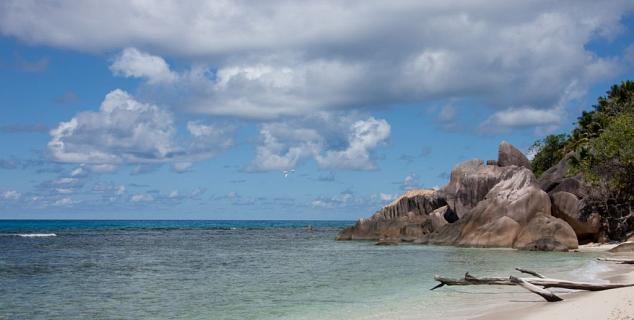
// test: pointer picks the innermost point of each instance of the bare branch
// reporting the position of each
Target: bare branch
(530, 272)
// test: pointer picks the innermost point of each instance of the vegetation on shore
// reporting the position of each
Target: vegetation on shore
(602, 149)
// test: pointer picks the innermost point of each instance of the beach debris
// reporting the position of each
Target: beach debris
(619, 260)
(547, 295)
(530, 272)
(531, 284)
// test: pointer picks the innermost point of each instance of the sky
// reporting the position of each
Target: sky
(196, 109)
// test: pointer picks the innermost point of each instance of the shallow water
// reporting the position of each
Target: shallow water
(241, 270)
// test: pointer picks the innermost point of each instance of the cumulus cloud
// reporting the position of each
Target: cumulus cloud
(126, 131)
(134, 63)
(283, 146)
(207, 139)
(136, 131)
(252, 62)
(364, 136)
(333, 141)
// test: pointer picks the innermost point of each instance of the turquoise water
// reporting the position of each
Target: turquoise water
(241, 270)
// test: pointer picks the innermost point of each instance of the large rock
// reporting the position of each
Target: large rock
(545, 232)
(470, 182)
(559, 178)
(440, 217)
(508, 155)
(514, 213)
(585, 223)
(405, 219)
(569, 194)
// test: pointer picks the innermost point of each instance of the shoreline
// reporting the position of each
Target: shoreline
(614, 304)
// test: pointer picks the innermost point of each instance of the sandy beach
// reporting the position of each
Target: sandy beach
(615, 304)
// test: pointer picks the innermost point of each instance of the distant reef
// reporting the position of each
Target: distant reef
(499, 203)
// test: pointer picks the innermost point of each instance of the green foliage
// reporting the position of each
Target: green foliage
(603, 147)
(583, 141)
(548, 152)
(591, 124)
(609, 162)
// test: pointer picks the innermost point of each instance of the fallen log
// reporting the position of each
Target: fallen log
(619, 260)
(547, 295)
(541, 282)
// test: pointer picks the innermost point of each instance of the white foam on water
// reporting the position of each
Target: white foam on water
(35, 235)
(591, 272)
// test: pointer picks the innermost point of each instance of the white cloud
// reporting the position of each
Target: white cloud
(126, 131)
(123, 130)
(283, 147)
(65, 202)
(387, 197)
(207, 140)
(182, 166)
(364, 136)
(78, 172)
(333, 141)
(141, 197)
(64, 190)
(411, 181)
(343, 199)
(544, 121)
(249, 60)
(134, 63)
(66, 182)
(524, 117)
(10, 195)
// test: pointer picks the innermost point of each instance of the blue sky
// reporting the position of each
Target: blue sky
(194, 111)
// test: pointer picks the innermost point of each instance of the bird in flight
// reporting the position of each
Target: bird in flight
(287, 172)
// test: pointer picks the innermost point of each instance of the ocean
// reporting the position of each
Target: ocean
(245, 270)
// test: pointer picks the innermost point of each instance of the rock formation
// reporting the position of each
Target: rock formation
(498, 204)
(405, 219)
(568, 194)
(508, 155)
(515, 213)
(570, 208)
(469, 183)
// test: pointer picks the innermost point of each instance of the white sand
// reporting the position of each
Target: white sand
(615, 304)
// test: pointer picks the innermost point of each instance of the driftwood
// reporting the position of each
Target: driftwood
(531, 284)
(530, 272)
(547, 295)
(621, 261)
